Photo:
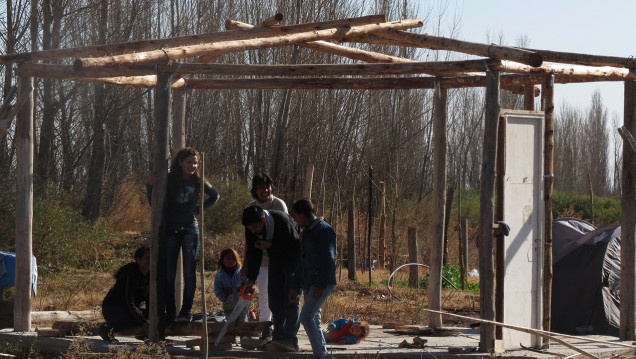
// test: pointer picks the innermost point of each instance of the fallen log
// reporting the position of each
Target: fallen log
(211, 50)
(64, 315)
(444, 43)
(97, 50)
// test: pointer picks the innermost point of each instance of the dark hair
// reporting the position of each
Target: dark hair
(176, 170)
(252, 214)
(261, 179)
(224, 253)
(305, 208)
(141, 252)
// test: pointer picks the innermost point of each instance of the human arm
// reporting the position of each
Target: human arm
(337, 324)
(323, 250)
(253, 257)
(219, 291)
(213, 195)
(153, 180)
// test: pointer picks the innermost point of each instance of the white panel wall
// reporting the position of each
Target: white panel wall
(524, 213)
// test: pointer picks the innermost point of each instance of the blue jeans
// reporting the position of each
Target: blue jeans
(310, 317)
(188, 241)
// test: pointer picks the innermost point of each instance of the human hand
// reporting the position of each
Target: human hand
(293, 296)
(264, 245)
(154, 179)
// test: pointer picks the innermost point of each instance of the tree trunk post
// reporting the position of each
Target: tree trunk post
(179, 142)
(382, 227)
(450, 193)
(628, 221)
(24, 208)
(204, 336)
(528, 97)
(160, 165)
(351, 238)
(370, 224)
(464, 240)
(439, 205)
(414, 279)
(486, 246)
(309, 178)
(547, 100)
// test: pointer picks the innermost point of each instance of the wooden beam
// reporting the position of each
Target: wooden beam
(270, 21)
(486, 247)
(575, 71)
(628, 220)
(334, 49)
(217, 48)
(585, 59)
(440, 140)
(97, 50)
(444, 43)
(160, 165)
(528, 97)
(24, 208)
(547, 99)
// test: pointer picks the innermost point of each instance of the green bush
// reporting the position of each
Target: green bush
(225, 215)
(606, 210)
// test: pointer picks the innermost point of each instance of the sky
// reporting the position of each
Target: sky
(598, 27)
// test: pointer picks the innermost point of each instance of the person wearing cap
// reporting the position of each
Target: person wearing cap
(277, 233)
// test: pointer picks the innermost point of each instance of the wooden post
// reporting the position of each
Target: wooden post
(591, 189)
(528, 97)
(547, 100)
(204, 336)
(351, 238)
(160, 165)
(178, 142)
(464, 240)
(439, 205)
(486, 213)
(414, 279)
(370, 223)
(24, 208)
(449, 206)
(382, 227)
(309, 178)
(500, 246)
(628, 220)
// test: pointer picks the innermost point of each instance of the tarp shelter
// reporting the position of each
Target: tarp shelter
(585, 286)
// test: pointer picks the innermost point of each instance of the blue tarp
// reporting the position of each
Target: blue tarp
(7, 272)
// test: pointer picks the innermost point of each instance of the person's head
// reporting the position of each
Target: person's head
(185, 163)
(262, 187)
(303, 212)
(359, 329)
(142, 258)
(254, 219)
(229, 258)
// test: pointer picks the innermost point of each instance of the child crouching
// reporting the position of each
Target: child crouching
(346, 331)
(228, 282)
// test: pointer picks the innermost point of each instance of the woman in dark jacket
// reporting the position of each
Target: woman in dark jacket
(124, 305)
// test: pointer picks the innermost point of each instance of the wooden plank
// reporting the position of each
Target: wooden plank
(24, 208)
(218, 48)
(97, 50)
(628, 221)
(547, 100)
(486, 247)
(444, 43)
(440, 140)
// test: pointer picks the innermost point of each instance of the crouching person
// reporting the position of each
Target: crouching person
(122, 307)
(346, 331)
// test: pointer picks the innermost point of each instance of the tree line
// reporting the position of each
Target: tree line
(92, 138)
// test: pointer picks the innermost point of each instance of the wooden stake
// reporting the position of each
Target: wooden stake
(204, 336)
(444, 43)
(211, 50)
(97, 50)
(486, 209)
(414, 279)
(439, 204)
(370, 224)
(547, 93)
(24, 208)
(351, 238)
(382, 226)
(628, 221)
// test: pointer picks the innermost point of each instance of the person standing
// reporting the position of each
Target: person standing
(317, 271)
(180, 223)
(263, 194)
(277, 233)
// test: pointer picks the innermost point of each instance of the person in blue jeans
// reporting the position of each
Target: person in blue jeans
(180, 223)
(317, 270)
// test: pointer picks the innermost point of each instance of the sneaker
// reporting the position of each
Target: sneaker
(287, 345)
(107, 334)
(184, 318)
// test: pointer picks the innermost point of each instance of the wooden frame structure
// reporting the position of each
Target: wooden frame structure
(157, 64)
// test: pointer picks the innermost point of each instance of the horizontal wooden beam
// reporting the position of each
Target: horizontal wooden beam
(586, 59)
(98, 50)
(330, 48)
(440, 68)
(577, 72)
(213, 49)
(444, 43)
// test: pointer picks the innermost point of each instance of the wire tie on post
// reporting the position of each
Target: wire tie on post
(488, 72)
